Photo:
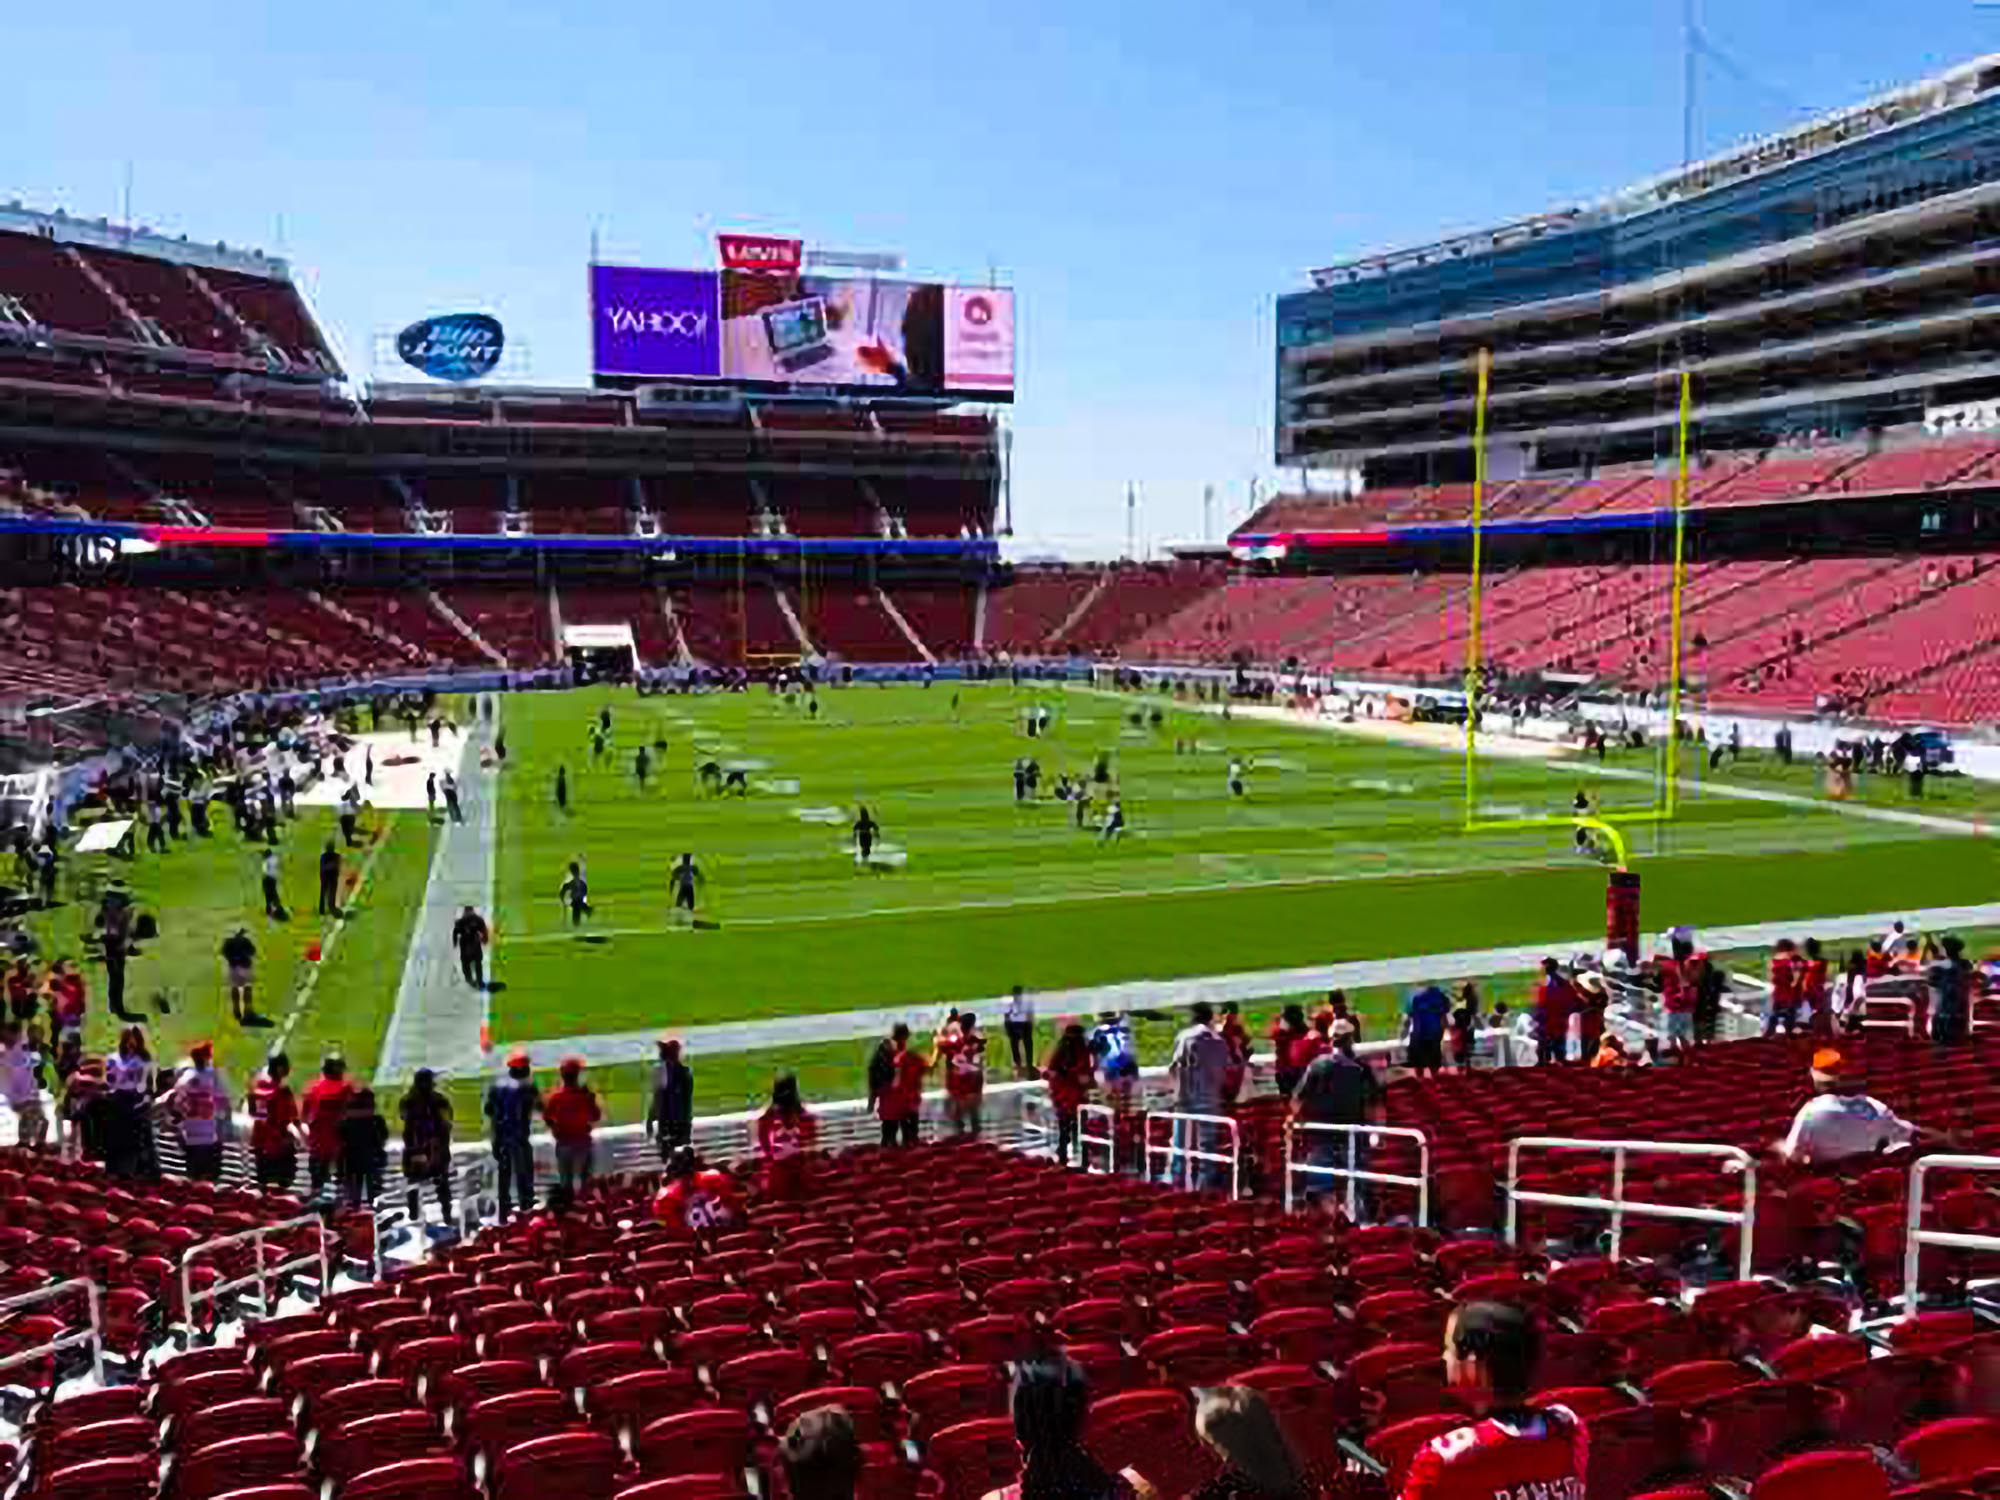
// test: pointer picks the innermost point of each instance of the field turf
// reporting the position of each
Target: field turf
(1344, 848)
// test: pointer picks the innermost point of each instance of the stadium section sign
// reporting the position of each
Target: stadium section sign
(456, 347)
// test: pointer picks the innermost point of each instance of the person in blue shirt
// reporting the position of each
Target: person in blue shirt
(1424, 1016)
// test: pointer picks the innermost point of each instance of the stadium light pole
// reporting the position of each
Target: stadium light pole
(1131, 522)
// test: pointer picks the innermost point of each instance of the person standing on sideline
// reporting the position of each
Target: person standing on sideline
(350, 813)
(1018, 1021)
(200, 1103)
(156, 832)
(865, 830)
(323, 1107)
(274, 904)
(21, 1084)
(642, 765)
(453, 809)
(963, 1052)
(512, 1102)
(1198, 1065)
(469, 936)
(896, 1087)
(1069, 1075)
(1950, 981)
(427, 1144)
(670, 1112)
(786, 1132)
(1491, 1354)
(274, 1126)
(431, 794)
(329, 880)
(572, 1110)
(364, 1151)
(114, 925)
(239, 958)
(1424, 1016)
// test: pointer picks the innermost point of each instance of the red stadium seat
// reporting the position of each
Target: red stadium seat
(580, 1465)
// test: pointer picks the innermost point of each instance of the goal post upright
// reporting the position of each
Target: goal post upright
(1671, 792)
(1483, 363)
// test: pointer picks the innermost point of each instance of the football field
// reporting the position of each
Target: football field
(1342, 848)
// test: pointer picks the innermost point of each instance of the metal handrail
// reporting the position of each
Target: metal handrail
(1619, 1205)
(1907, 1009)
(1915, 1236)
(474, 1199)
(1353, 1176)
(261, 1276)
(1085, 1140)
(1233, 1158)
(70, 1338)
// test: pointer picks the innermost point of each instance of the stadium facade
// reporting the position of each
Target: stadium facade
(1834, 279)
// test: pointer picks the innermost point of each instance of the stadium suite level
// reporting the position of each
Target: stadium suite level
(1828, 278)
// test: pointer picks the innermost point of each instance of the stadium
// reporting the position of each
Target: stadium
(1494, 890)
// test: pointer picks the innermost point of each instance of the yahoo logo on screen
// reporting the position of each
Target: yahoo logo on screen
(656, 323)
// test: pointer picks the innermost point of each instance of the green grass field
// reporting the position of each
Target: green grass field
(1345, 848)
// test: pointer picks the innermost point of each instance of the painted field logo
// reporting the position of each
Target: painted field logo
(457, 346)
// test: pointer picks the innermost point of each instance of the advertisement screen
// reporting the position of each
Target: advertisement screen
(847, 333)
(656, 324)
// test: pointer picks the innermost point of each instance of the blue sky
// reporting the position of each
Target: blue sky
(1149, 178)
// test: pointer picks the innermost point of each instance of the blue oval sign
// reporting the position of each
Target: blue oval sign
(457, 346)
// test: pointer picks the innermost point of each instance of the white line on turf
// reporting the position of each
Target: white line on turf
(302, 996)
(1162, 994)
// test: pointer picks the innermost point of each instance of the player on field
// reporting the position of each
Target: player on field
(562, 789)
(682, 880)
(575, 893)
(1235, 778)
(865, 831)
(1114, 821)
(1510, 1448)
(642, 763)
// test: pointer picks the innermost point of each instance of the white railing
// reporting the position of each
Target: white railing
(475, 1199)
(1351, 1175)
(70, 1338)
(1618, 1205)
(1916, 1236)
(1889, 1013)
(1181, 1153)
(262, 1274)
(1085, 1113)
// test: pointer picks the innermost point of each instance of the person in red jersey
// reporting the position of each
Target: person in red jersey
(961, 1052)
(572, 1112)
(697, 1200)
(66, 999)
(1781, 1011)
(1593, 1000)
(1069, 1075)
(1287, 1031)
(325, 1105)
(1237, 1040)
(786, 1132)
(1509, 1449)
(1815, 994)
(900, 1100)
(274, 1125)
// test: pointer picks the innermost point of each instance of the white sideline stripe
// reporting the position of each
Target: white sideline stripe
(1931, 822)
(1165, 994)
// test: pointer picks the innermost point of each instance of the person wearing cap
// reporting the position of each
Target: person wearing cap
(572, 1110)
(21, 1086)
(1338, 1088)
(1593, 1000)
(670, 1112)
(1840, 1122)
(512, 1102)
(469, 935)
(274, 1126)
(200, 1103)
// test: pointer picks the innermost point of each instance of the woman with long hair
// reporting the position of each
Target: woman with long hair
(1069, 1076)
(1258, 1464)
(1050, 1401)
(128, 1134)
(786, 1132)
(1287, 1032)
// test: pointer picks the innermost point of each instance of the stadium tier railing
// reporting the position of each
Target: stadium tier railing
(69, 1338)
(262, 1274)
(1185, 1154)
(1353, 1174)
(1618, 1206)
(1917, 1237)
(1085, 1139)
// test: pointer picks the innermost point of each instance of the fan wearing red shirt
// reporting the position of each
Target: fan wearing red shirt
(274, 1126)
(66, 999)
(1788, 972)
(325, 1106)
(899, 1104)
(961, 1052)
(1315, 1044)
(571, 1110)
(1813, 991)
(785, 1135)
(1510, 1449)
(1069, 1075)
(1237, 1040)
(697, 1201)
(1555, 1003)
